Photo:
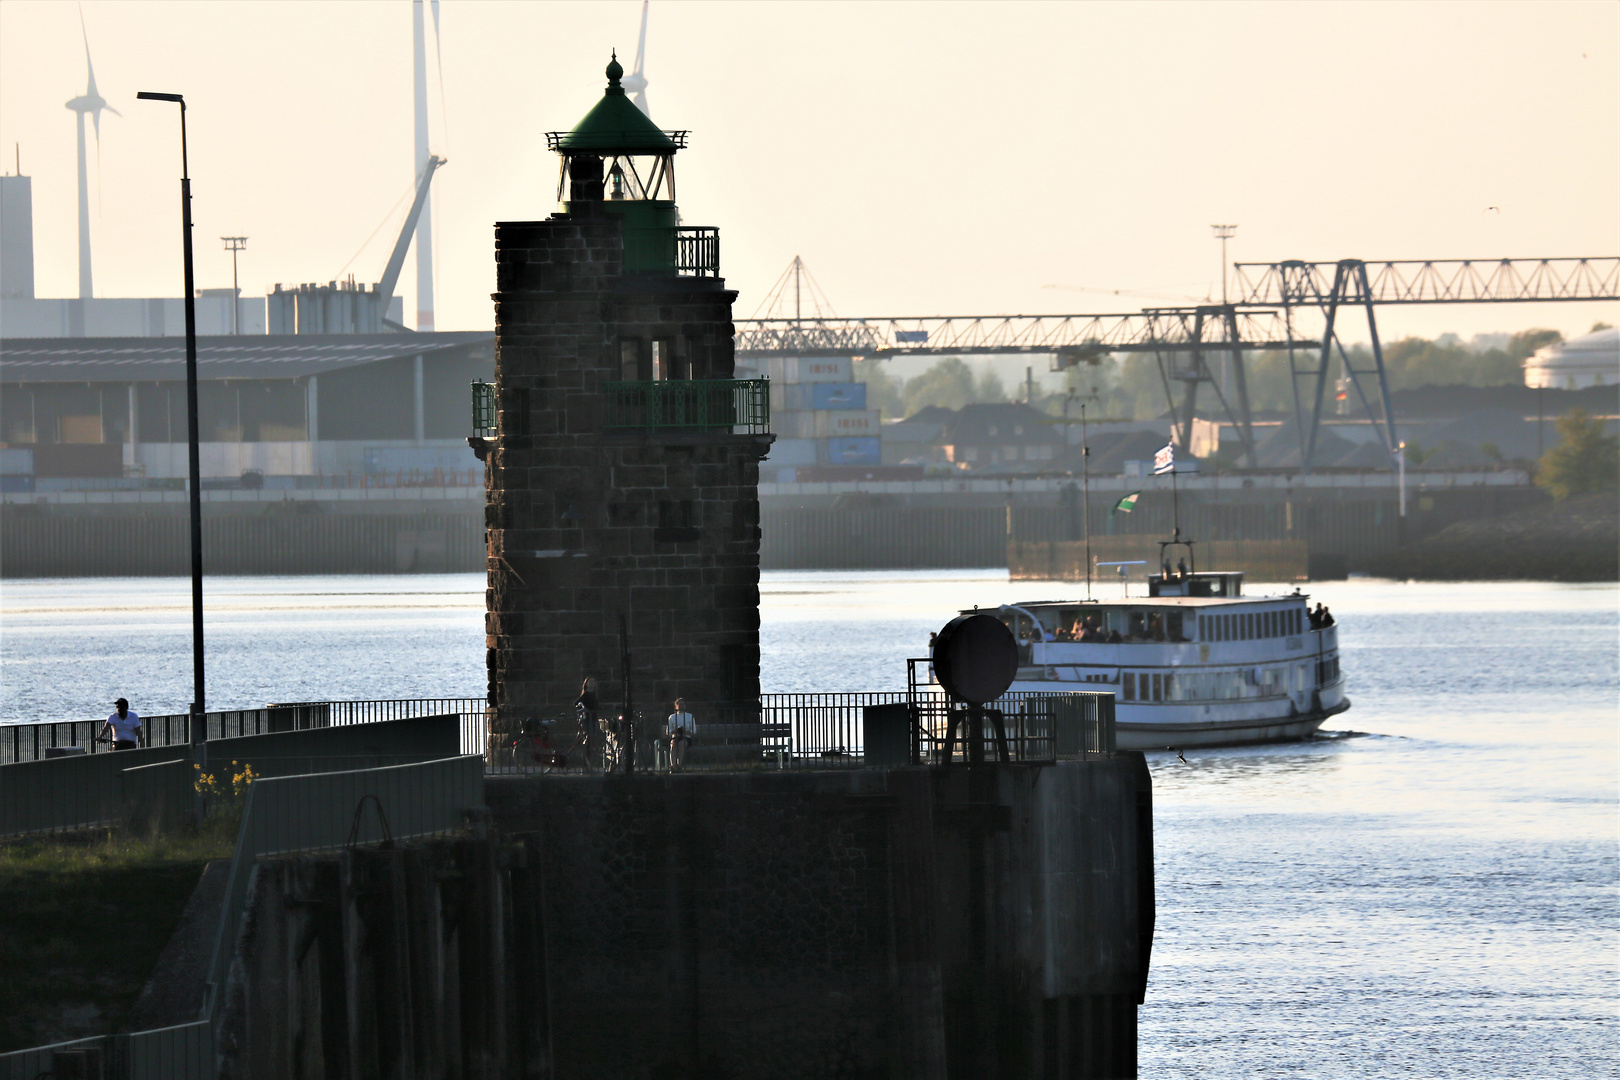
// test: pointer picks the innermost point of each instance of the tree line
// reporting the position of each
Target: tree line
(1129, 386)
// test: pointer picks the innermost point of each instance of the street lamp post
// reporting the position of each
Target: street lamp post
(198, 703)
(233, 244)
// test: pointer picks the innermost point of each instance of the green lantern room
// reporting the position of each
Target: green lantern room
(617, 160)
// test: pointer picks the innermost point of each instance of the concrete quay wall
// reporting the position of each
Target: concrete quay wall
(917, 924)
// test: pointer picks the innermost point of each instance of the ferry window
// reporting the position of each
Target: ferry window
(1271, 624)
(1130, 686)
(1248, 626)
(1158, 687)
(1169, 687)
(1220, 628)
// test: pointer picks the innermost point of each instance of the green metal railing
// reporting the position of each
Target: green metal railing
(739, 405)
(483, 408)
(697, 252)
(690, 251)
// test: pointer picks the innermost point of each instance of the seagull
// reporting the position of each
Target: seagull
(1488, 209)
(1179, 757)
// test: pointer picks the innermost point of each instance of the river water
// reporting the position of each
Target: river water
(1430, 890)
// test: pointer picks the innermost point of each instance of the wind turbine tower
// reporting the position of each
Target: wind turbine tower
(635, 83)
(93, 103)
(424, 224)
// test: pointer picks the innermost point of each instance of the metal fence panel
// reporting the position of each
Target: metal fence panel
(86, 792)
(69, 793)
(38, 1061)
(185, 1052)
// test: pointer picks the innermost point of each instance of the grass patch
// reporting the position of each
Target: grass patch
(82, 922)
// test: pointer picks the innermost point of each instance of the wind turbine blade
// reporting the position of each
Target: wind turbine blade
(641, 43)
(635, 83)
(438, 51)
(438, 63)
(90, 67)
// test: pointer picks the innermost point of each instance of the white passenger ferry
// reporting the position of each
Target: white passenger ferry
(1193, 663)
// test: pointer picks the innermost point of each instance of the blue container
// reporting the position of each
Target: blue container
(839, 395)
(855, 450)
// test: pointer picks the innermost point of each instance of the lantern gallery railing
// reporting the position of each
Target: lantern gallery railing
(739, 405)
(689, 252)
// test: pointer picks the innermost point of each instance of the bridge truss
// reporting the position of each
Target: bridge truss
(1262, 317)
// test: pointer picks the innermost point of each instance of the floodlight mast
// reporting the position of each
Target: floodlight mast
(199, 703)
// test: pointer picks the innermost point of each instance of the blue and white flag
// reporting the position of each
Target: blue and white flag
(1165, 460)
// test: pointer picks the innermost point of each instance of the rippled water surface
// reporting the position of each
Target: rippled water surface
(1429, 891)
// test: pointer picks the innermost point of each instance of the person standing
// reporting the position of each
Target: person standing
(124, 725)
(681, 728)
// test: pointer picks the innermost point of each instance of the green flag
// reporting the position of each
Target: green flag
(1125, 505)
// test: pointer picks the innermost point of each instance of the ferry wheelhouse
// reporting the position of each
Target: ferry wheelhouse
(1193, 663)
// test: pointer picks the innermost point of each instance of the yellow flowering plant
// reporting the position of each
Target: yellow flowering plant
(225, 791)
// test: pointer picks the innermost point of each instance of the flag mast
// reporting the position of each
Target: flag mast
(1085, 494)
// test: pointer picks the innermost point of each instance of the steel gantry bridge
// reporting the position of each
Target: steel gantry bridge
(1270, 298)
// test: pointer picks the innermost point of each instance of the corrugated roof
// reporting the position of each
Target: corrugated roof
(262, 356)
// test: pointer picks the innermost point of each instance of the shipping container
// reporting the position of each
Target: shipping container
(793, 425)
(808, 369)
(17, 461)
(792, 452)
(850, 395)
(862, 450)
(803, 397)
(844, 423)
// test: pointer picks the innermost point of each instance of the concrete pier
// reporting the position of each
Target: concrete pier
(985, 923)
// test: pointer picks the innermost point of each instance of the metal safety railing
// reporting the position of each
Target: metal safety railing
(30, 742)
(471, 711)
(697, 251)
(742, 406)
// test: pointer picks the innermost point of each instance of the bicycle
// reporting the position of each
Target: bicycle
(545, 744)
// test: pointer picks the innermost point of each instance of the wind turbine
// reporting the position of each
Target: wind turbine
(93, 103)
(635, 83)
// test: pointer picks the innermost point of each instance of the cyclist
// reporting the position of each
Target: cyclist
(124, 725)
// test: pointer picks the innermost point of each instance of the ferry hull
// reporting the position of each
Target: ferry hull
(1182, 735)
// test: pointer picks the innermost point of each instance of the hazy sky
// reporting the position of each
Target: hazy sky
(923, 158)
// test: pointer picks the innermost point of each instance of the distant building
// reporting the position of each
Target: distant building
(126, 317)
(1003, 438)
(290, 405)
(1590, 360)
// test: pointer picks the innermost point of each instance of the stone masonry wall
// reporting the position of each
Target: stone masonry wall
(585, 526)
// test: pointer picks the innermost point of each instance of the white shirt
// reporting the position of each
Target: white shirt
(126, 728)
(682, 722)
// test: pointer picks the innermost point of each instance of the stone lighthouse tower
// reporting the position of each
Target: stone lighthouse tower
(623, 477)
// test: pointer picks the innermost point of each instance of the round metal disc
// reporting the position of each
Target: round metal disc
(975, 658)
